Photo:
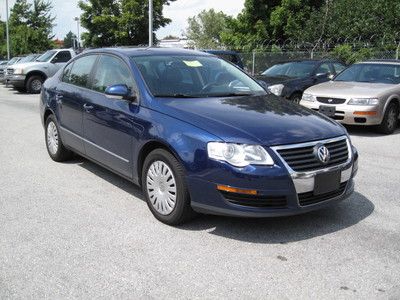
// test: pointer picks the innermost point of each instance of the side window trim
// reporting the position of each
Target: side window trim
(63, 73)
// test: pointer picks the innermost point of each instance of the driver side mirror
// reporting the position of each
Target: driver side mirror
(120, 91)
(321, 75)
(54, 60)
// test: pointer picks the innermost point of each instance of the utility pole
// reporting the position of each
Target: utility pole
(7, 33)
(78, 37)
(150, 23)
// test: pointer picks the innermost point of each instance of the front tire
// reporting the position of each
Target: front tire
(54, 144)
(296, 98)
(389, 122)
(165, 189)
(34, 84)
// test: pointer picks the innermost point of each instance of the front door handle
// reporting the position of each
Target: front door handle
(87, 107)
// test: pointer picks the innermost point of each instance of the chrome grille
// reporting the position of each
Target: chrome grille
(302, 158)
(328, 100)
(10, 71)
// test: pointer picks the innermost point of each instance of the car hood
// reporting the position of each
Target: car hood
(27, 64)
(270, 80)
(347, 90)
(266, 120)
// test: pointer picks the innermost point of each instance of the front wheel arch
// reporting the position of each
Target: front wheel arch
(146, 150)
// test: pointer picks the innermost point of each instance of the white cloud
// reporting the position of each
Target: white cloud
(181, 10)
(178, 12)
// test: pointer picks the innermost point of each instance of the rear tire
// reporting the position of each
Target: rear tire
(54, 144)
(390, 119)
(34, 84)
(164, 187)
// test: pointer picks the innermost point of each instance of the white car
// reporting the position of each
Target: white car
(366, 93)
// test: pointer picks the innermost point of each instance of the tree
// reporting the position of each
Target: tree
(69, 40)
(31, 27)
(288, 18)
(119, 22)
(252, 26)
(205, 29)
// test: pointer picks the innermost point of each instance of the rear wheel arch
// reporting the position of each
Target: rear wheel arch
(47, 114)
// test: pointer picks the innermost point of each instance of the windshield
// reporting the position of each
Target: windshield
(194, 76)
(298, 69)
(373, 73)
(13, 60)
(28, 58)
(46, 56)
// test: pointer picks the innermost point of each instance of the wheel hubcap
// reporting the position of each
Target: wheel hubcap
(36, 85)
(161, 187)
(52, 138)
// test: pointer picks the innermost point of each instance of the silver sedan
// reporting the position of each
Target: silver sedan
(366, 93)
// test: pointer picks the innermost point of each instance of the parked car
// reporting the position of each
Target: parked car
(290, 79)
(231, 56)
(366, 93)
(28, 58)
(197, 133)
(30, 76)
(4, 67)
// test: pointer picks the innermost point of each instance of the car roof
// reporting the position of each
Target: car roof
(130, 51)
(381, 61)
(220, 51)
(308, 60)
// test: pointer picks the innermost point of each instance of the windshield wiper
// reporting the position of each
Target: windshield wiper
(176, 96)
(230, 94)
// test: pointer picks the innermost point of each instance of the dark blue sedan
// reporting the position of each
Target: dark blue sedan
(196, 133)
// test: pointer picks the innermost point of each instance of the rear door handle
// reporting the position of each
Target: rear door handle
(59, 97)
(87, 107)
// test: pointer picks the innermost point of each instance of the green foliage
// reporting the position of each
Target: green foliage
(119, 22)
(69, 40)
(30, 27)
(205, 29)
(347, 54)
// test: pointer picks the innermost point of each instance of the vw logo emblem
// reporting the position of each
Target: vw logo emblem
(330, 100)
(322, 153)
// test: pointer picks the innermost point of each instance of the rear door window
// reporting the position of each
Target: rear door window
(81, 69)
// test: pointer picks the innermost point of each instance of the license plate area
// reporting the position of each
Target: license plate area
(327, 110)
(327, 182)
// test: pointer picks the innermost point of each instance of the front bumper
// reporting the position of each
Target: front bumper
(276, 184)
(351, 114)
(17, 81)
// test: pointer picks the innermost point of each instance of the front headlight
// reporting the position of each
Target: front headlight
(239, 155)
(18, 71)
(276, 89)
(364, 101)
(308, 97)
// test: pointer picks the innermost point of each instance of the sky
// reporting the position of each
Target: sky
(178, 12)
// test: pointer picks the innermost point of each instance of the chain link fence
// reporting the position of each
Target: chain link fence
(258, 61)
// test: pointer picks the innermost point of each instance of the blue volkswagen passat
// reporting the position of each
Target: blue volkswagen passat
(197, 133)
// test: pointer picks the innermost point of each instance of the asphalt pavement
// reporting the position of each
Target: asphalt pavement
(76, 230)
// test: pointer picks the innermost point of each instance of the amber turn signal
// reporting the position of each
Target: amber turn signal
(230, 189)
(365, 113)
